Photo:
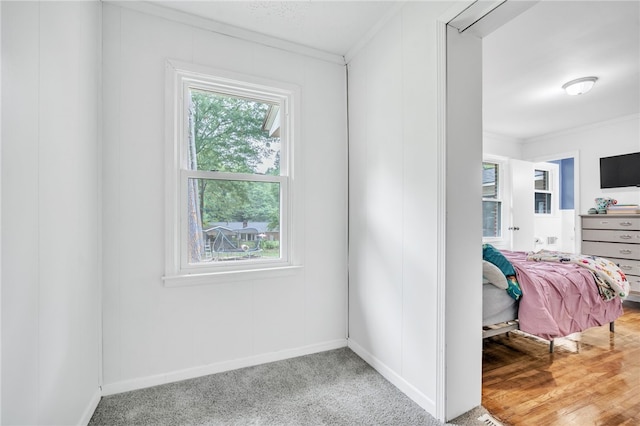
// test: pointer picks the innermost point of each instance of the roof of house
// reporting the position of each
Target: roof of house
(251, 227)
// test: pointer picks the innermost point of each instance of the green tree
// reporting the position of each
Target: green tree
(227, 135)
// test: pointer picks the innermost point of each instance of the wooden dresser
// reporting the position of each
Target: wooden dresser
(616, 237)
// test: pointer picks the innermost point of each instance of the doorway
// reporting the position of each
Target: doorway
(523, 148)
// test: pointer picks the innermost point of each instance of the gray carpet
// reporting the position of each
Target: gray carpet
(329, 388)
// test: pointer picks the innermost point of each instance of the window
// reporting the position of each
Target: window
(229, 196)
(542, 192)
(491, 201)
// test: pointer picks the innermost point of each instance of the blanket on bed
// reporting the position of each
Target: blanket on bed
(559, 298)
(610, 279)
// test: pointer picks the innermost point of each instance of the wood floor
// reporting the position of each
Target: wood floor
(592, 378)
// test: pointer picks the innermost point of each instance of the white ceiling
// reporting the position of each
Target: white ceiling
(329, 26)
(526, 61)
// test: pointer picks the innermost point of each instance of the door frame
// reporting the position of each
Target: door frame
(451, 394)
(577, 246)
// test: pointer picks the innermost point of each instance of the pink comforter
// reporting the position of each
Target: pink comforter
(559, 299)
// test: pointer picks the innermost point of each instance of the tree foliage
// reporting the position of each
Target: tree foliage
(228, 136)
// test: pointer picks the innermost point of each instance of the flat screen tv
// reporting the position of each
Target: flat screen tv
(620, 171)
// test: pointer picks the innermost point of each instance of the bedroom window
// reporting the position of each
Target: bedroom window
(542, 192)
(229, 184)
(491, 200)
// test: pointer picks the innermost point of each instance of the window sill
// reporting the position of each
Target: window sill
(221, 277)
(491, 240)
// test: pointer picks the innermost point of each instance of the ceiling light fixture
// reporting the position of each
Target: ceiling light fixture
(579, 86)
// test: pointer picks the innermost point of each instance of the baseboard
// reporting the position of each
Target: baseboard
(219, 367)
(91, 408)
(398, 381)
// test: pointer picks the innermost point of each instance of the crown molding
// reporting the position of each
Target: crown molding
(226, 30)
(580, 129)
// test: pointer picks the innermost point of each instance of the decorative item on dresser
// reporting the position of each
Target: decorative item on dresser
(616, 237)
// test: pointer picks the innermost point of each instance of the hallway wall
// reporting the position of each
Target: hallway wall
(50, 212)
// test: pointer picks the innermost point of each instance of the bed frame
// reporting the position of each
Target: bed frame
(501, 328)
(507, 326)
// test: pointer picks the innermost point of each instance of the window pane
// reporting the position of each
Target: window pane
(233, 220)
(542, 202)
(489, 180)
(491, 219)
(541, 180)
(232, 134)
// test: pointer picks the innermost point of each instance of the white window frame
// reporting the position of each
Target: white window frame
(554, 190)
(502, 176)
(180, 78)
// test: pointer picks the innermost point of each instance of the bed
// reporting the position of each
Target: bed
(561, 293)
(499, 310)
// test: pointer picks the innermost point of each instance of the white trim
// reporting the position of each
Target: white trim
(581, 129)
(171, 199)
(577, 244)
(503, 176)
(441, 64)
(100, 194)
(554, 157)
(398, 381)
(454, 11)
(246, 177)
(230, 276)
(553, 188)
(219, 367)
(179, 77)
(441, 237)
(227, 30)
(492, 158)
(91, 408)
(473, 14)
(347, 201)
(1, 327)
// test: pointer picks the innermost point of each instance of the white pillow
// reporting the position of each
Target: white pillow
(494, 275)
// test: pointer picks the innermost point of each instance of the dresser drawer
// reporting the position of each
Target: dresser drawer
(610, 222)
(624, 236)
(611, 250)
(634, 283)
(628, 266)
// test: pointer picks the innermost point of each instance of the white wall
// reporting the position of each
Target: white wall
(588, 144)
(50, 212)
(614, 137)
(463, 223)
(503, 146)
(393, 179)
(152, 333)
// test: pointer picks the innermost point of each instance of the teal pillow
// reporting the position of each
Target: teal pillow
(493, 255)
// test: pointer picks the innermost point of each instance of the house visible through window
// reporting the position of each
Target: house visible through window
(231, 194)
(491, 202)
(233, 178)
